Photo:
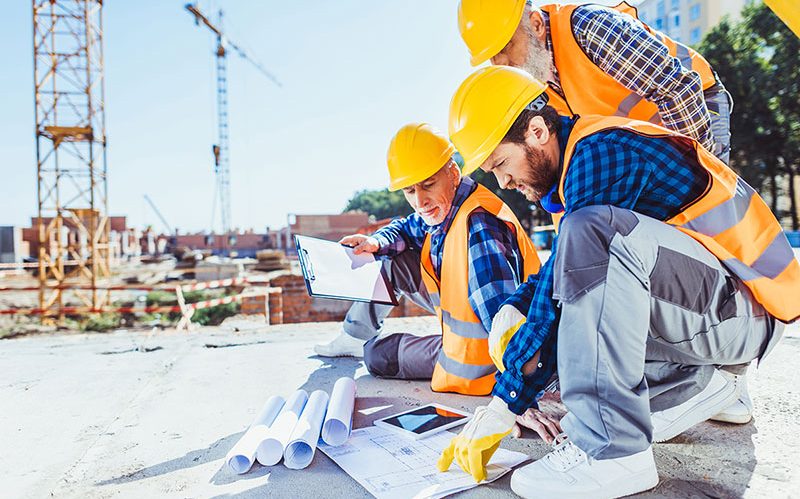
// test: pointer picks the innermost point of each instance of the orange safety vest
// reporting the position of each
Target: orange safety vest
(590, 90)
(730, 219)
(464, 365)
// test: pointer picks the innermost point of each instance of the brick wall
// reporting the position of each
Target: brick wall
(297, 306)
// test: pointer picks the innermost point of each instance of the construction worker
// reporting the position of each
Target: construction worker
(602, 60)
(460, 255)
(668, 272)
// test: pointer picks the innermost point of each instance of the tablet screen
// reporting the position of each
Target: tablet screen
(424, 419)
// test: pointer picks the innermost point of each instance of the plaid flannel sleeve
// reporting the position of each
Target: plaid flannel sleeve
(494, 265)
(626, 51)
(538, 333)
(402, 233)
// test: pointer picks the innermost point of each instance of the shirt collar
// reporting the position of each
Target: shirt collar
(550, 201)
(464, 189)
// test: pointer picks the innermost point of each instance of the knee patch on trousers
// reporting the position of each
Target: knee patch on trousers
(380, 356)
(583, 245)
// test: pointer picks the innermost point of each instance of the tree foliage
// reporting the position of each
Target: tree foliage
(758, 61)
(380, 203)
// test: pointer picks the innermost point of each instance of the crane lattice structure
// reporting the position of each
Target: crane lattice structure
(72, 221)
(221, 148)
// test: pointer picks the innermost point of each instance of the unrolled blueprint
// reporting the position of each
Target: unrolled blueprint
(392, 466)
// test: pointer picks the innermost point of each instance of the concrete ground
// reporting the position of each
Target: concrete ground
(130, 414)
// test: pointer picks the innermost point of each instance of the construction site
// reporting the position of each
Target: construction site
(135, 355)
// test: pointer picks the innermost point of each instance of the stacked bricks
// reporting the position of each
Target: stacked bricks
(299, 307)
(264, 301)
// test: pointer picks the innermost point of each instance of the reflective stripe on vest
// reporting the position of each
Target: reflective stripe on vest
(730, 219)
(589, 89)
(464, 365)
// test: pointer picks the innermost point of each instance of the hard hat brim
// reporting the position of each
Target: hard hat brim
(409, 180)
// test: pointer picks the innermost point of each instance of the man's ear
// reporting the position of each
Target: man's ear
(537, 132)
(537, 25)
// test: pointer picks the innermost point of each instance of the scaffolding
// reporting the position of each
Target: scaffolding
(73, 223)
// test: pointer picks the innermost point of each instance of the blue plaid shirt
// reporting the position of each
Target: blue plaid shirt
(654, 177)
(621, 46)
(495, 262)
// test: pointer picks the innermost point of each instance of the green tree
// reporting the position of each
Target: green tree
(379, 203)
(781, 51)
(758, 60)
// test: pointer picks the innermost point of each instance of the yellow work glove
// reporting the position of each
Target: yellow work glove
(480, 438)
(504, 325)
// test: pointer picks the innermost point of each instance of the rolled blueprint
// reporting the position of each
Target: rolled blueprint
(339, 419)
(300, 450)
(271, 448)
(242, 456)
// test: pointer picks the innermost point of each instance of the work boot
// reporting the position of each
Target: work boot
(741, 410)
(343, 345)
(720, 393)
(567, 472)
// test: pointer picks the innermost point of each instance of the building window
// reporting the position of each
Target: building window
(694, 37)
(676, 21)
(660, 8)
(659, 23)
(694, 12)
(676, 4)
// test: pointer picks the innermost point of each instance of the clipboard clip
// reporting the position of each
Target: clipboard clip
(308, 266)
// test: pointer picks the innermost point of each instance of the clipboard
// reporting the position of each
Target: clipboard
(332, 270)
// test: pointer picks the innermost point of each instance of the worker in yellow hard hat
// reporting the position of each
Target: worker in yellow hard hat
(602, 60)
(459, 255)
(669, 273)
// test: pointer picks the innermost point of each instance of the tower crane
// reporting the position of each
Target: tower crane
(220, 149)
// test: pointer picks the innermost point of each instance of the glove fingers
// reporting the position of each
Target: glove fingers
(446, 459)
(461, 457)
(476, 464)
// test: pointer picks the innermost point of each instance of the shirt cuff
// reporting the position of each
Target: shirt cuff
(383, 243)
(513, 391)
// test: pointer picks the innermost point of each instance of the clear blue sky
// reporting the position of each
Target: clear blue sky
(353, 72)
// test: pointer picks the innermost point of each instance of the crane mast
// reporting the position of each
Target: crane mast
(221, 148)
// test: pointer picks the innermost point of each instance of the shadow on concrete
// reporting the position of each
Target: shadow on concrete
(715, 460)
(197, 457)
(332, 368)
(225, 475)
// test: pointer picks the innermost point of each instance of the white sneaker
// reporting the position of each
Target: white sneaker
(343, 345)
(741, 410)
(719, 394)
(567, 472)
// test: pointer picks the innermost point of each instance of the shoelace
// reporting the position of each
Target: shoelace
(565, 454)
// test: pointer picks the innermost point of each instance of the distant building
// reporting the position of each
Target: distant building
(330, 227)
(241, 244)
(12, 248)
(686, 21)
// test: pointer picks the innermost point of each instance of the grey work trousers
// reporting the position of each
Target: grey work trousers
(399, 355)
(720, 106)
(647, 314)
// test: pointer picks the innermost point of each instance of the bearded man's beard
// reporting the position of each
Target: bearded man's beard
(539, 63)
(541, 176)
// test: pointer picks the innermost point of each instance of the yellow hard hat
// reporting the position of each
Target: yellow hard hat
(488, 25)
(417, 151)
(485, 106)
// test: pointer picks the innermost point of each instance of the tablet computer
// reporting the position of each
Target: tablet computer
(424, 421)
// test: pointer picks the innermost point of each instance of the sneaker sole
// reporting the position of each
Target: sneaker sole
(329, 355)
(632, 484)
(699, 413)
(733, 419)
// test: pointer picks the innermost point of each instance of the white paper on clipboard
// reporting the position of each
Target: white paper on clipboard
(332, 270)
